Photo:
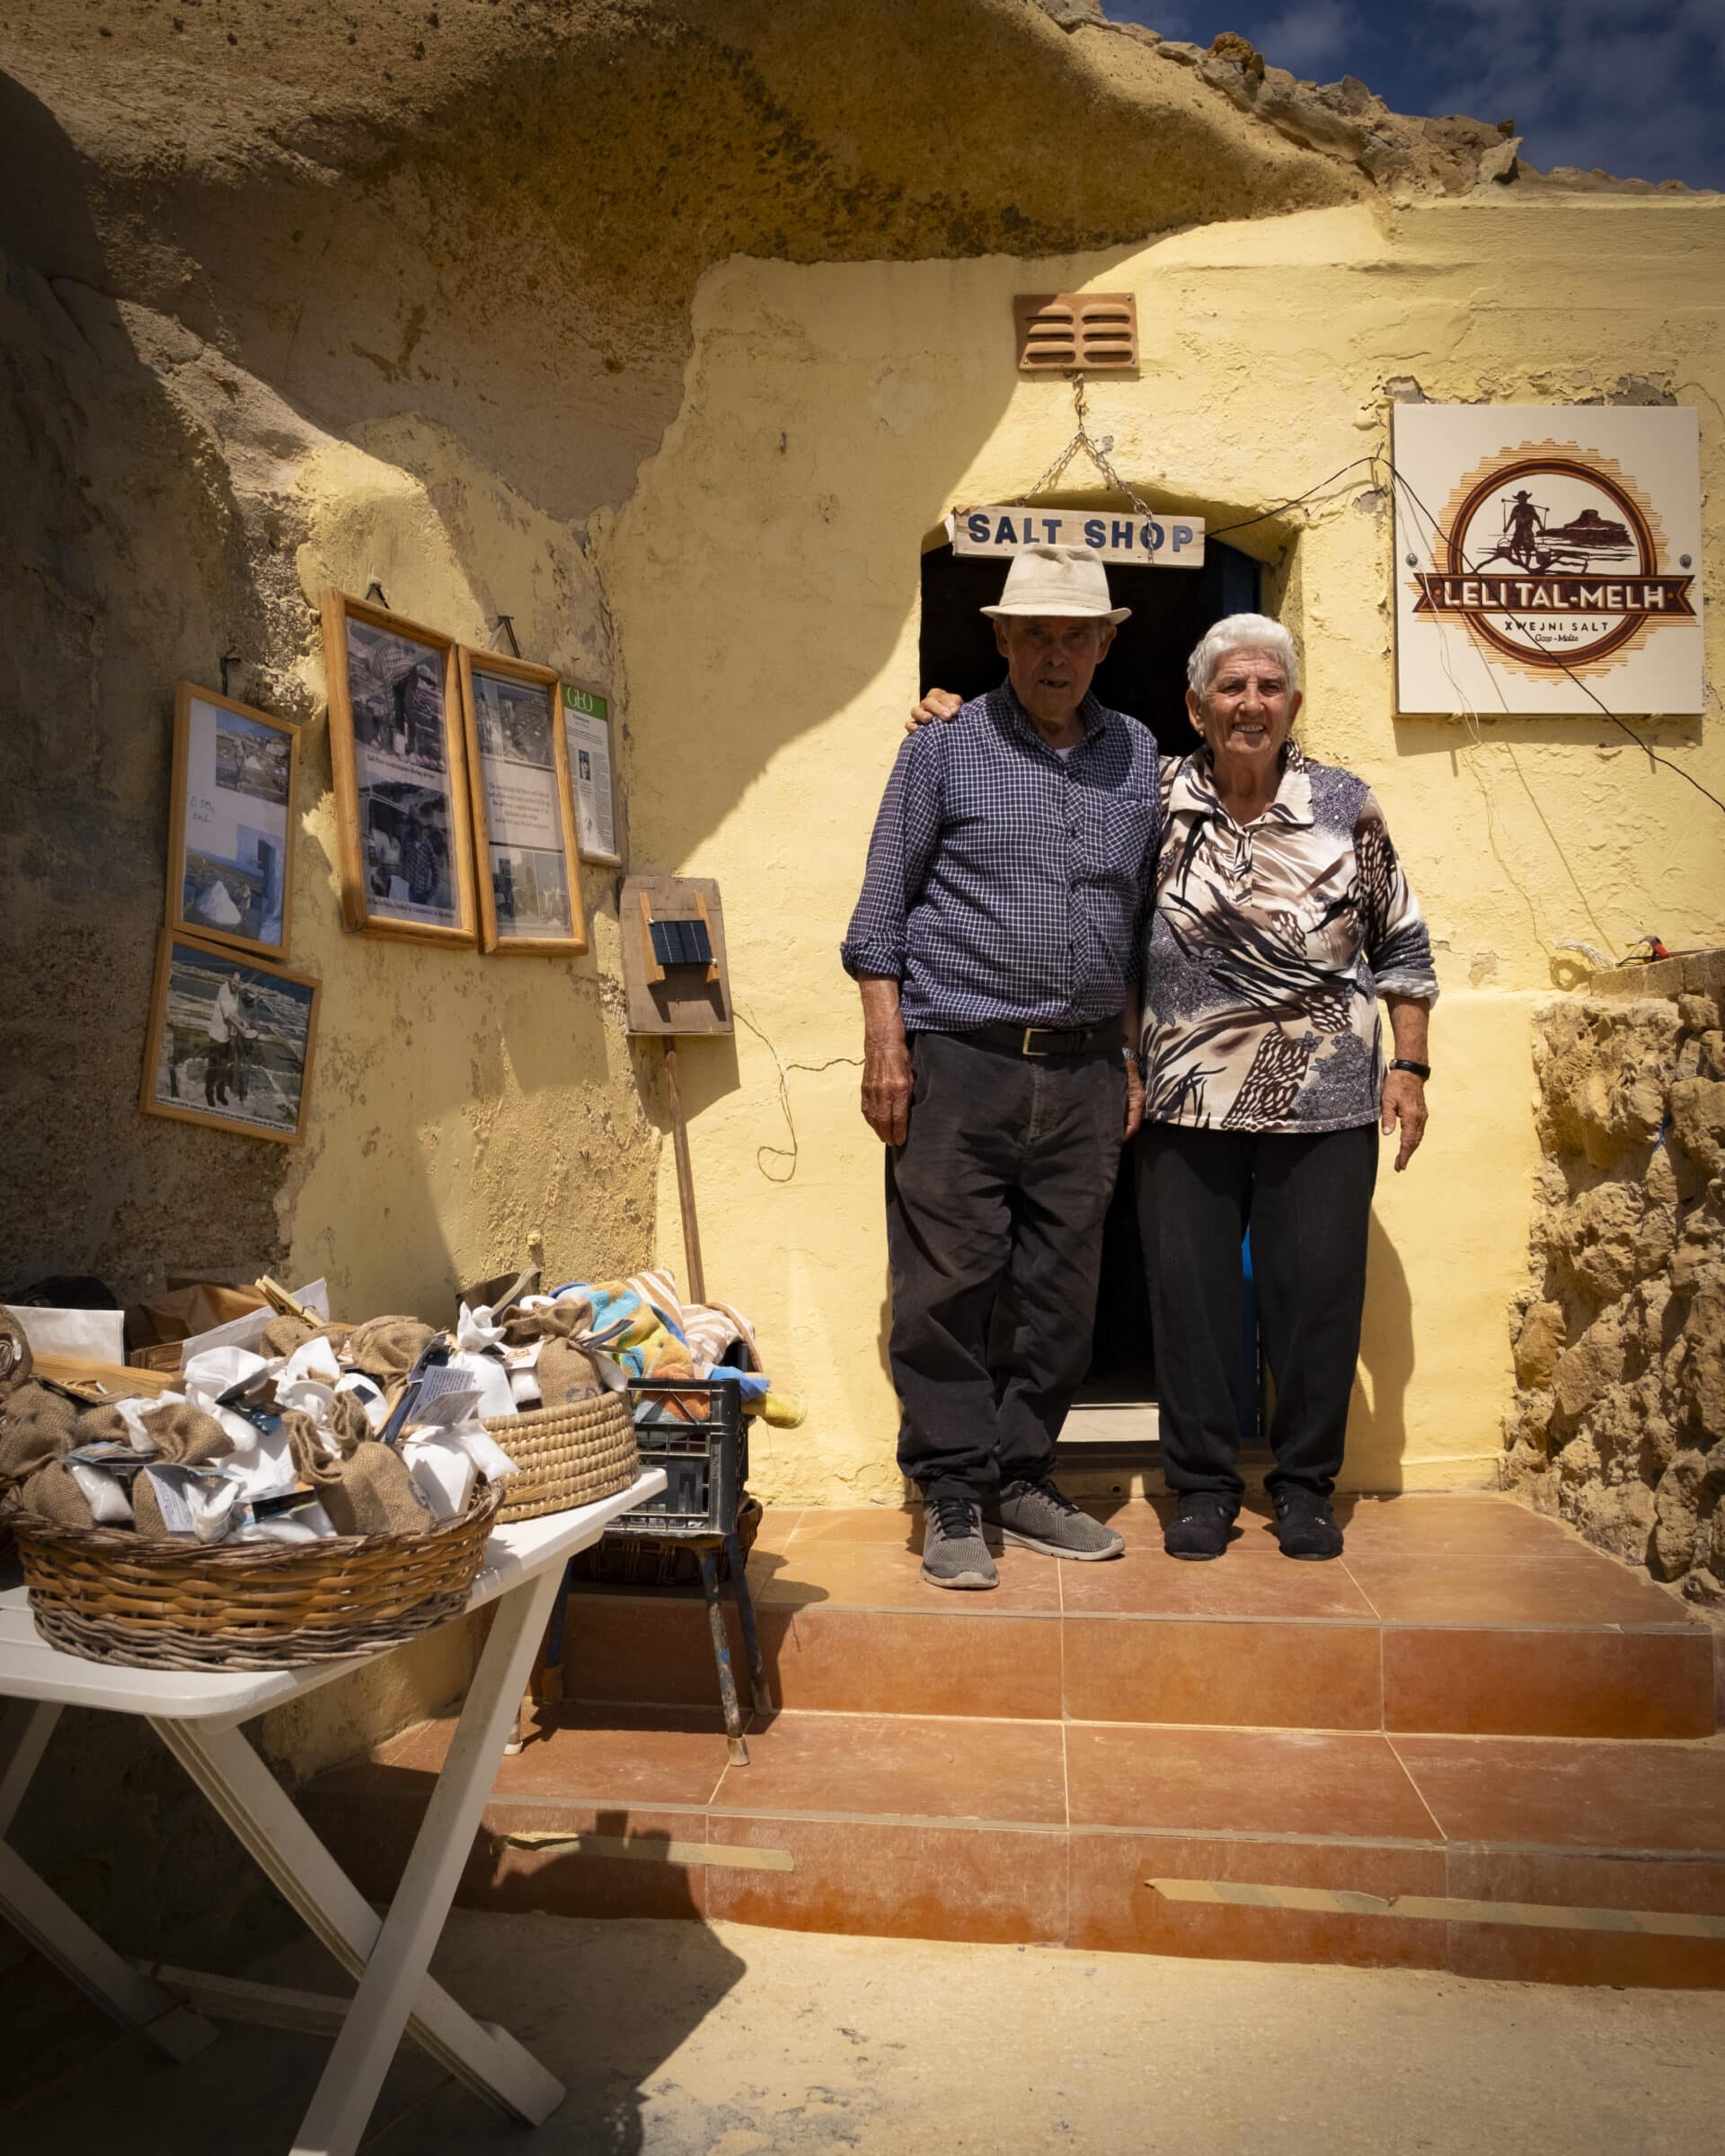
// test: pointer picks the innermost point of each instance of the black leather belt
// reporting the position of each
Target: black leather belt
(1106, 1040)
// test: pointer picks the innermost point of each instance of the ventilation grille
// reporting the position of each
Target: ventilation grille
(1083, 332)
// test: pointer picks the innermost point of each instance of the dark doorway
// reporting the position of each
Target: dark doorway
(1145, 674)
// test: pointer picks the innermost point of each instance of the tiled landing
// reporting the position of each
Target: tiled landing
(1466, 1615)
(1051, 1832)
(1500, 1739)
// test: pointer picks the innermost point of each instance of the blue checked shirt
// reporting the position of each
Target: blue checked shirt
(1006, 883)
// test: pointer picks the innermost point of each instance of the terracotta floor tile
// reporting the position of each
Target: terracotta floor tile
(1523, 1953)
(904, 1767)
(916, 1662)
(1114, 1911)
(618, 1754)
(1548, 1683)
(647, 1647)
(1250, 1781)
(1260, 1673)
(1571, 1586)
(1144, 1582)
(1482, 1526)
(882, 1575)
(1606, 1795)
(565, 1880)
(898, 1527)
(897, 1881)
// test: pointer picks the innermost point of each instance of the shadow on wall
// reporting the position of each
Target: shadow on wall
(124, 570)
(1377, 1432)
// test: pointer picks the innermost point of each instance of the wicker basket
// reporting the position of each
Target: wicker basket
(110, 1595)
(564, 1456)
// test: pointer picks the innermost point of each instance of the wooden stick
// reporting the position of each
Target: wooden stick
(685, 1179)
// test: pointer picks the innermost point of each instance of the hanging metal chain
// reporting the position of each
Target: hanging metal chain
(1097, 452)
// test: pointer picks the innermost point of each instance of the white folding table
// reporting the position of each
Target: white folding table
(198, 1716)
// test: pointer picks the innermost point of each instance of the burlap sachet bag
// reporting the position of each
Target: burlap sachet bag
(566, 1373)
(36, 1426)
(386, 1348)
(185, 1436)
(283, 1334)
(552, 1321)
(367, 1491)
(53, 1494)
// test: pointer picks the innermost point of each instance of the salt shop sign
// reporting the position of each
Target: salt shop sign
(1175, 540)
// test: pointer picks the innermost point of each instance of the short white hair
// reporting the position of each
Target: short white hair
(1241, 633)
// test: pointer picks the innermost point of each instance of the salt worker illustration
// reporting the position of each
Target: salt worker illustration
(1525, 524)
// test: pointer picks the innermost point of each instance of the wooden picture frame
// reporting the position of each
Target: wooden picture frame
(238, 1030)
(527, 862)
(231, 828)
(398, 751)
(591, 749)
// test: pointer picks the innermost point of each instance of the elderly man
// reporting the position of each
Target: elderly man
(995, 944)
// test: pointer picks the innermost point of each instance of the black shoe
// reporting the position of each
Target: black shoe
(1305, 1526)
(1201, 1525)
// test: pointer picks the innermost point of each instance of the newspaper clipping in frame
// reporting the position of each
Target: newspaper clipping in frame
(587, 724)
(1547, 559)
(523, 826)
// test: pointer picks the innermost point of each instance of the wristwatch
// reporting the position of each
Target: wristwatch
(1406, 1063)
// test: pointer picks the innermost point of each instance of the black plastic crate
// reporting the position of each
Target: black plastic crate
(704, 1456)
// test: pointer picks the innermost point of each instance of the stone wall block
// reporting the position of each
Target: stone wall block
(1702, 1371)
(1595, 1361)
(1698, 1121)
(1675, 1504)
(1539, 1343)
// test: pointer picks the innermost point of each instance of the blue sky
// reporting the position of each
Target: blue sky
(1638, 90)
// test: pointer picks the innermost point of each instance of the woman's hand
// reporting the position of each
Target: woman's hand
(1134, 1101)
(938, 704)
(1404, 1103)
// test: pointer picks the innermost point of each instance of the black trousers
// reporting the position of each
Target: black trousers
(994, 1205)
(1308, 1201)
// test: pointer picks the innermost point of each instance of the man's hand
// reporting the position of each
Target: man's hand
(1134, 1101)
(1404, 1102)
(886, 1090)
(938, 704)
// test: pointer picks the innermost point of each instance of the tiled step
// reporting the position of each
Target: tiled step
(1260, 1843)
(1456, 1614)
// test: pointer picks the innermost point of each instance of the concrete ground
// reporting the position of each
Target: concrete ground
(680, 2040)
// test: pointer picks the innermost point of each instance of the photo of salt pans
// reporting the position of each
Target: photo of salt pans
(236, 825)
(517, 769)
(232, 1043)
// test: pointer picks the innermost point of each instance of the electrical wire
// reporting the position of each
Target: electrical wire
(786, 1152)
(1264, 515)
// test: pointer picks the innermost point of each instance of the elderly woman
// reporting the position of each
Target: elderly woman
(1281, 916)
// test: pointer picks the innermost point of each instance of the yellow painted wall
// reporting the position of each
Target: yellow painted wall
(764, 579)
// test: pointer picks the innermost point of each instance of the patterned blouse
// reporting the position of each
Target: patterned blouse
(1268, 950)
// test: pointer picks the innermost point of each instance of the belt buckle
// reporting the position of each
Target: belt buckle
(1025, 1048)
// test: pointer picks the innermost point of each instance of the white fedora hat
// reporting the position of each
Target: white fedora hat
(1062, 581)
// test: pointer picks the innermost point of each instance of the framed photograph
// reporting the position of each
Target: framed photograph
(230, 1042)
(230, 847)
(587, 740)
(401, 774)
(524, 817)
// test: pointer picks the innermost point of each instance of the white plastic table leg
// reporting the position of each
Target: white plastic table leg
(486, 2060)
(59, 1934)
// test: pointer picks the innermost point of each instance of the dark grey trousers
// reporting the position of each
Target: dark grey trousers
(994, 1205)
(1308, 1202)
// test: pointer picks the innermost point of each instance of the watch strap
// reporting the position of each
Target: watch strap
(1406, 1063)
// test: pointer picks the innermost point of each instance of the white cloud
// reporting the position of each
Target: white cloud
(1308, 37)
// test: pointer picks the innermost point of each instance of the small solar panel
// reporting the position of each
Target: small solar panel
(682, 943)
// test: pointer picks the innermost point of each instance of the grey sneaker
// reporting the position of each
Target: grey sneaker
(1036, 1515)
(954, 1554)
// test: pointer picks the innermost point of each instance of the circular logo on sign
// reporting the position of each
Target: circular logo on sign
(1551, 555)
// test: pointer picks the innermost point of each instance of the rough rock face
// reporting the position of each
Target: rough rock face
(1619, 1339)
